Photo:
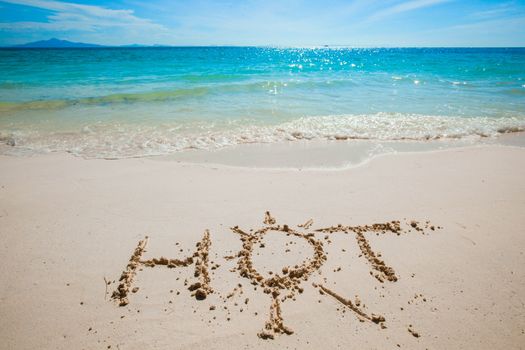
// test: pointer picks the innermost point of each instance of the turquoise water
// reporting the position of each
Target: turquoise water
(148, 101)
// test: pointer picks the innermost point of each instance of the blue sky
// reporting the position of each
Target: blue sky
(358, 23)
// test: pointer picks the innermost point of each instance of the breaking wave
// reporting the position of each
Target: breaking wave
(118, 140)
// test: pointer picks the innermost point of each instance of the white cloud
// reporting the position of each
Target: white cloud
(68, 16)
(404, 7)
(508, 9)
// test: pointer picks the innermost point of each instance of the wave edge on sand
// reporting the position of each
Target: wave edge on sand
(115, 140)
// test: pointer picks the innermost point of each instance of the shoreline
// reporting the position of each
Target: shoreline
(315, 155)
(68, 225)
(327, 155)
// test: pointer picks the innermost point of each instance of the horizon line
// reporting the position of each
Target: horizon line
(160, 46)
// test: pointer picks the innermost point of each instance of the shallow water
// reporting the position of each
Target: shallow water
(115, 103)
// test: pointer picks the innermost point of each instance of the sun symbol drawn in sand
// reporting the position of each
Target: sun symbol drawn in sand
(287, 284)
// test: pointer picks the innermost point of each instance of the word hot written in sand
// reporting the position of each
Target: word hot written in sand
(284, 285)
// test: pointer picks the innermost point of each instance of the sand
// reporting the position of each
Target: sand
(414, 250)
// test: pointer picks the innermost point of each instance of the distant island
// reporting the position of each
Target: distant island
(58, 43)
(55, 43)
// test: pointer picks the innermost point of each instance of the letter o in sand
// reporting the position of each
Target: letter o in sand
(291, 277)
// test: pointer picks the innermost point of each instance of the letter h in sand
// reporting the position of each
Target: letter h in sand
(199, 289)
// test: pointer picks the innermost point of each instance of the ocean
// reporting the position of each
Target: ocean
(135, 102)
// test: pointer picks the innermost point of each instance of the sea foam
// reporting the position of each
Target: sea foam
(116, 140)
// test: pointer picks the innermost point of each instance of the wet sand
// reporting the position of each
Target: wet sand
(414, 250)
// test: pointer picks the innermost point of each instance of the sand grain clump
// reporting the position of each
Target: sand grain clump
(268, 219)
(413, 332)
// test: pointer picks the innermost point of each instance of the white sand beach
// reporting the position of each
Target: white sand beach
(69, 226)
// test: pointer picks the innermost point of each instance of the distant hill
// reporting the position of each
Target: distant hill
(55, 43)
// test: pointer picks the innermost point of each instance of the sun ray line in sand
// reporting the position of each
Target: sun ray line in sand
(268, 219)
(199, 289)
(307, 224)
(354, 307)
